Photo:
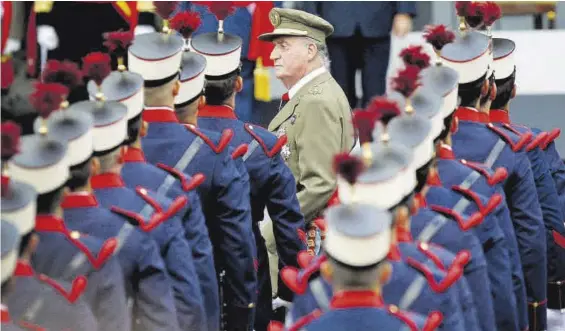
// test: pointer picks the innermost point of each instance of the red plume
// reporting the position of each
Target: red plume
(348, 166)
(47, 97)
(385, 108)
(439, 36)
(5, 186)
(406, 81)
(186, 23)
(10, 140)
(471, 11)
(165, 8)
(221, 9)
(490, 11)
(118, 42)
(364, 121)
(66, 73)
(461, 7)
(96, 65)
(414, 55)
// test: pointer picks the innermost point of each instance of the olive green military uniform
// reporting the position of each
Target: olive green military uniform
(316, 120)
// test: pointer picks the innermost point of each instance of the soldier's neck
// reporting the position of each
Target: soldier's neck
(136, 143)
(58, 212)
(86, 188)
(290, 82)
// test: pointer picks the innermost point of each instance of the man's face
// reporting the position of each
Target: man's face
(290, 56)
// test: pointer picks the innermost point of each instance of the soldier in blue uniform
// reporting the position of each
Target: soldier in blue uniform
(469, 56)
(10, 246)
(357, 269)
(127, 87)
(505, 74)
(224, 193)
(271, 181)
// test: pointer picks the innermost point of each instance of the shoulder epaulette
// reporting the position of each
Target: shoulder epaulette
(304, 259)
(297, 280)
(403, 317)
(494, 201)
(225, 139)
(305, 320)
(434, 320)
(452, 275)
(465, 225)
(106, 250)
(195, 181)
(551, 136)
(281, 141)
(77, 288)
(523, 138)
(423, 247)
(461, 258)
(499, 175)
(559, 239)
(537, 142)
(159, 215)
(239, 151)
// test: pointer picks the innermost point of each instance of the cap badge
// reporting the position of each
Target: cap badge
(275, 18)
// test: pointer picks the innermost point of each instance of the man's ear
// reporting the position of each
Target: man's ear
(238, 85)
(493, 92)
(514, 89)
(143, 129)
(484, 88)
(202, 101)
(176, 88)
(30, 248)
(326, 271)
(312, 51)
(94, 166)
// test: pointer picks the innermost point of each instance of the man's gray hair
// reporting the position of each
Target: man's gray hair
(347, 278)
(109, 161)
(322, 51)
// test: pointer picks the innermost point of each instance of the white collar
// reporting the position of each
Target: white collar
(305, 80)
(159, 108)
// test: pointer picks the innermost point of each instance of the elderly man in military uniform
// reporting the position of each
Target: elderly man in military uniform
(315, 116)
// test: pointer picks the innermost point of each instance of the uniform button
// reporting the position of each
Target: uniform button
(251, 127)
(143, 191)
(75, 235)
(393, 309)
(464, 161)
(424, 246)
(251, 305)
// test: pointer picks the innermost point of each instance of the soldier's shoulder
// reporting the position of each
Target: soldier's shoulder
(218, 142)
(269, 143)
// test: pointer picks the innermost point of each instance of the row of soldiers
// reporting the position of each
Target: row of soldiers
(146, 199)
(449, 215)
(139, 208)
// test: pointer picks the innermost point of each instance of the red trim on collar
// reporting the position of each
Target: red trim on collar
(468, 114)
(445, 152)
(285, 97)
(106, 180)
(79, 200)
(433, 179)
(132, 154)
(50, 223)
(394, 253)
(421, 200)
(483, 117)
(23, 269)
(6, 315)
(403, 236)
(163, 115)
(217, 111)
(356, 299)
(499, 116)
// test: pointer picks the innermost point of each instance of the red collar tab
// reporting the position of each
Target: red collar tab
(285, 97)
(132, 154)
(79, 200)
(23, 269)
(403, 236)
(217, 112)
(5, 315)
(394, 253)
(468, 114)
(433, 179)
(50, 223)
(356, 299)
(499, 116)
(5, 185)
(446, 152)
(421, 200)
(160, 114)
(484, 118)
(107, 180)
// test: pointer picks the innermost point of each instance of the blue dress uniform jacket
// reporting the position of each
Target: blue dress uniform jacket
(224, 195)
(407, 288)
(374, 19)
(500, 302)
(496, 150)
(142, 207)
(459, 173)
(556, 165)
(35, 304)
(143, 268)
(137, 172)
(59, 256)
(273, 186)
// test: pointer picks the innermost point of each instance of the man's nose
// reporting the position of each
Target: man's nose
(274, 54)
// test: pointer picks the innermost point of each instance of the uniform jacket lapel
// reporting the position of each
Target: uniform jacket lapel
(289, 109)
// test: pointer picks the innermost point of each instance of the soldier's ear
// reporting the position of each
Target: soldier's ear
(484, 88)
(94, 166)
(493, 92)
(385, 271)
(202, 101)
(143, 129)
(402, 215)
(238, 86)
(176, 88)
(514, 89)
(30, 248)
(326, 271)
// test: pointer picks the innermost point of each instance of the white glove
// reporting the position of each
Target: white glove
(143, 29)
(47, 37)
(251, 8)
(12, 46)
(278, 302)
